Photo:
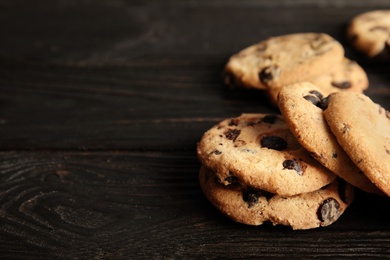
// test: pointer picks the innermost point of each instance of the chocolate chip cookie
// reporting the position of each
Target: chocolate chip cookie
(259, 150)
(254, 206)
(282, 60)
(369, 33)
(301, 106)
(362, 128)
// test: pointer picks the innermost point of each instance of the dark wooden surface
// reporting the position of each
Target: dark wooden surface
(101, 106)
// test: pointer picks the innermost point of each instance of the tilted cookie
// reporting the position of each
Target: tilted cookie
(282, 60)
(369, 33)
(362, 128)
(300, 105)
(254, 207)
(260, 151)
(344, 76)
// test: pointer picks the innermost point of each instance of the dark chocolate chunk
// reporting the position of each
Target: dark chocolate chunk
(231, 179)
(324, 103)
(316, 93)
(273, 142)
(292, 165)
(329, 211)
(269, 119)
(341, 84)
(334, 155)
(232, 134)
(269, 73)
(251, 197)
(313, 99)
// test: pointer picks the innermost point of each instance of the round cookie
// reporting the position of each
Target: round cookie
(345, 76)
(260, 151)
(254, 207)
(282, 60)
(300, 105)
(369, 33)
(362, 128)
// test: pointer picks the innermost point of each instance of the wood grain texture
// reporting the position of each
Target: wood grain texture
(101, 106)
(140, 205)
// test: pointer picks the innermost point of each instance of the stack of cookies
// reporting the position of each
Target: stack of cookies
(298, 168)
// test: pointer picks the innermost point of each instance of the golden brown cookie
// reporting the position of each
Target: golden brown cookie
(369, 33)
(282, 60)
(362, 128)
(300, 105)
(254, 207)
(259, 150)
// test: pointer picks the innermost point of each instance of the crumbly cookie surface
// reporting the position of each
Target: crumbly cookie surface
(259, 150)
(254, 207)
(300, 105)
(362, 128)
(282, 60)
(370, 33)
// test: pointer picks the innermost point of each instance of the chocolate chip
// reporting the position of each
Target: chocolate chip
(316, 93)
(269, 73)
(341, 84)
(251, 197)
(232, 134)
(313, 99)
(342, 189)
(292, 165)
(334, 155)
(217, 152)
(269, 119)
(329, 211)
(231, 179)
(324, 103)
(273, 142)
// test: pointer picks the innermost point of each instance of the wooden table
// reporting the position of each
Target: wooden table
(101, 106)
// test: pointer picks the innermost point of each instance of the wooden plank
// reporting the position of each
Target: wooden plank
(65, 83)
(140, 205)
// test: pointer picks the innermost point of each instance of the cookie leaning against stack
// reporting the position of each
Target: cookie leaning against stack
(301, 105)
(362, 128)
(278, 61)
